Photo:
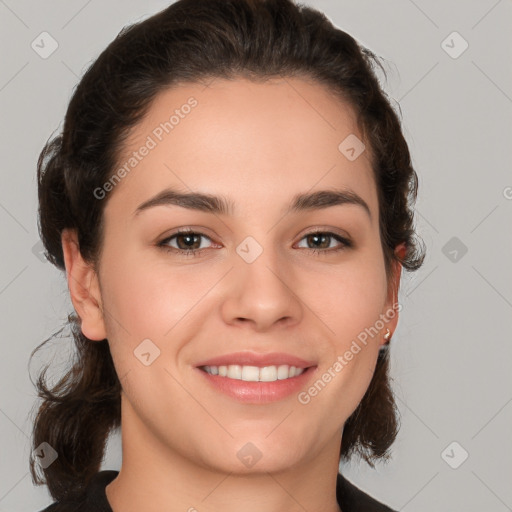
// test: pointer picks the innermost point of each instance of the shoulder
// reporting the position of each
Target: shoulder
(94, 499)
(352, 499)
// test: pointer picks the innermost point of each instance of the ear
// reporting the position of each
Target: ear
(391, 309)
(83, 287)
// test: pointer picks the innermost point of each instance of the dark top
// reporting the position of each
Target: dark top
(349, 497)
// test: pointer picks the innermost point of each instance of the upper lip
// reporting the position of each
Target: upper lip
(257, 359)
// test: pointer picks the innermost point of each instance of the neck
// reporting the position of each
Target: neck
(154, 477)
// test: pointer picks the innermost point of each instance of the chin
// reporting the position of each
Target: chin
(258, 456)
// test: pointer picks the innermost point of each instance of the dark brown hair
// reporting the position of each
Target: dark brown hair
(194, 41)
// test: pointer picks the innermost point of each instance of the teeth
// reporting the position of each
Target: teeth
(268, 374)
(254, 373)
(234, 371)
(250, 373)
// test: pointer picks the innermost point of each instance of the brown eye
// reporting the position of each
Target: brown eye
(326, 242)
(185, 242)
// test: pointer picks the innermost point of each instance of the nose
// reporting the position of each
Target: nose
(261, 294)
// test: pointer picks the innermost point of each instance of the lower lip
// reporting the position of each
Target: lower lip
(259, 392)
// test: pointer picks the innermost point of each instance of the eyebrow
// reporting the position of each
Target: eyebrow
(220, 205)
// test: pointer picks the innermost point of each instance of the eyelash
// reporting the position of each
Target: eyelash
(197, 252)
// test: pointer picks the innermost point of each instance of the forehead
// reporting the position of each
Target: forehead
(250, 141)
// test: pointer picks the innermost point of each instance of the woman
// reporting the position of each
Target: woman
(231, 199)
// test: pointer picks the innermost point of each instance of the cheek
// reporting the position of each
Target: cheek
(149, 298)
(145, 301)
(350, 299)
(350, 305)
(350, 302)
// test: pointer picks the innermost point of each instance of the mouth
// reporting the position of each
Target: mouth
(256, 378)
(248, 373)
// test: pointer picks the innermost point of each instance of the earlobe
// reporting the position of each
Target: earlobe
(83, 287)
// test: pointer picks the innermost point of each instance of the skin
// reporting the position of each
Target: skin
(258, 144)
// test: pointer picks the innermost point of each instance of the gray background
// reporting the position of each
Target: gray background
(452, 350)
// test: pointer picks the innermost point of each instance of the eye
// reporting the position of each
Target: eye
(322, 242)
(185, 242)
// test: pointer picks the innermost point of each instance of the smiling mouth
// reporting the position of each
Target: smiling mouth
(254, 373)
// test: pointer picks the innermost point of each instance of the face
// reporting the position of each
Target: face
(261, 279)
